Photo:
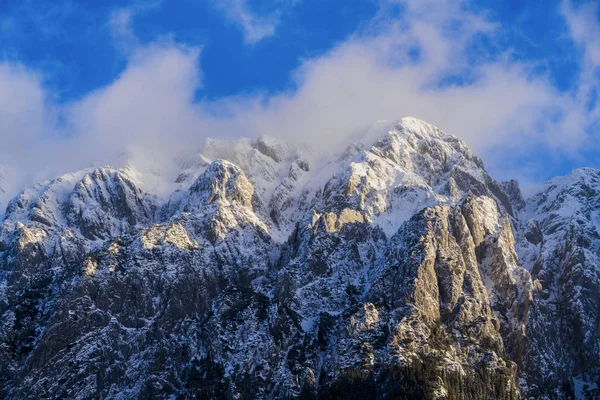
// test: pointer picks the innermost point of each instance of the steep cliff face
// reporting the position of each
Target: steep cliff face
(432, 297)
(390, 270)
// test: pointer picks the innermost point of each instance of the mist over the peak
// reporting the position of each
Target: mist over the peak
(155, 111)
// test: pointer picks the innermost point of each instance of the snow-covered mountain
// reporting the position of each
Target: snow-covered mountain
(560, 244)
(397, 268)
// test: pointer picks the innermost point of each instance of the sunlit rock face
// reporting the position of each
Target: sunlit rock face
(395, 269)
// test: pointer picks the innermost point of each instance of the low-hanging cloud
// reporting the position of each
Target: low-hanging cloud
(394, 67)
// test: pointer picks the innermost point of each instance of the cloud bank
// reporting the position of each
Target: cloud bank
(415, 58)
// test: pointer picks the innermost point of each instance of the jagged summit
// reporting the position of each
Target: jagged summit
(392, 172)
(97, 203)
(399, 169)
(566, 199)
(240, 151)
(409, 126)
(222, 181)
(579, 176)
(580, 182)
(106, 202)
(423, 129)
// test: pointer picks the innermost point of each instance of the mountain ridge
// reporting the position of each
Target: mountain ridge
(399, 265)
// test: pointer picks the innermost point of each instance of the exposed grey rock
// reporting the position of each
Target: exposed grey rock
(513, 192)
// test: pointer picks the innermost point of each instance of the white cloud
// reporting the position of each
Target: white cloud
(584, 27)
(254, 27)
(25, 114)
(120, 27)
(120, 22)
(371, 77)
(148, 113)
(585, 31)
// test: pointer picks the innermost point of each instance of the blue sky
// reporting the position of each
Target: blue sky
(85, 80)
(74, 43)
(82, 45)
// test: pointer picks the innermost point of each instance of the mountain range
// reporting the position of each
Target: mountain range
(394, 268)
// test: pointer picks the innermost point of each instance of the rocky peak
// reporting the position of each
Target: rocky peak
(513, 192)
(565, 207)
(249, 154)
(41, 205)
(411, 166)
(576, 192)
(223, 201)
(276, 149)
(99, 204)
(277, 171)
(429, 141)
(221, 182)
(106, 203)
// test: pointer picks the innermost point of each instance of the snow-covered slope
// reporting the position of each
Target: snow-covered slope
(276, 169)
(560, 245)
(389, 174)
(412, 166)
(396, 267)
